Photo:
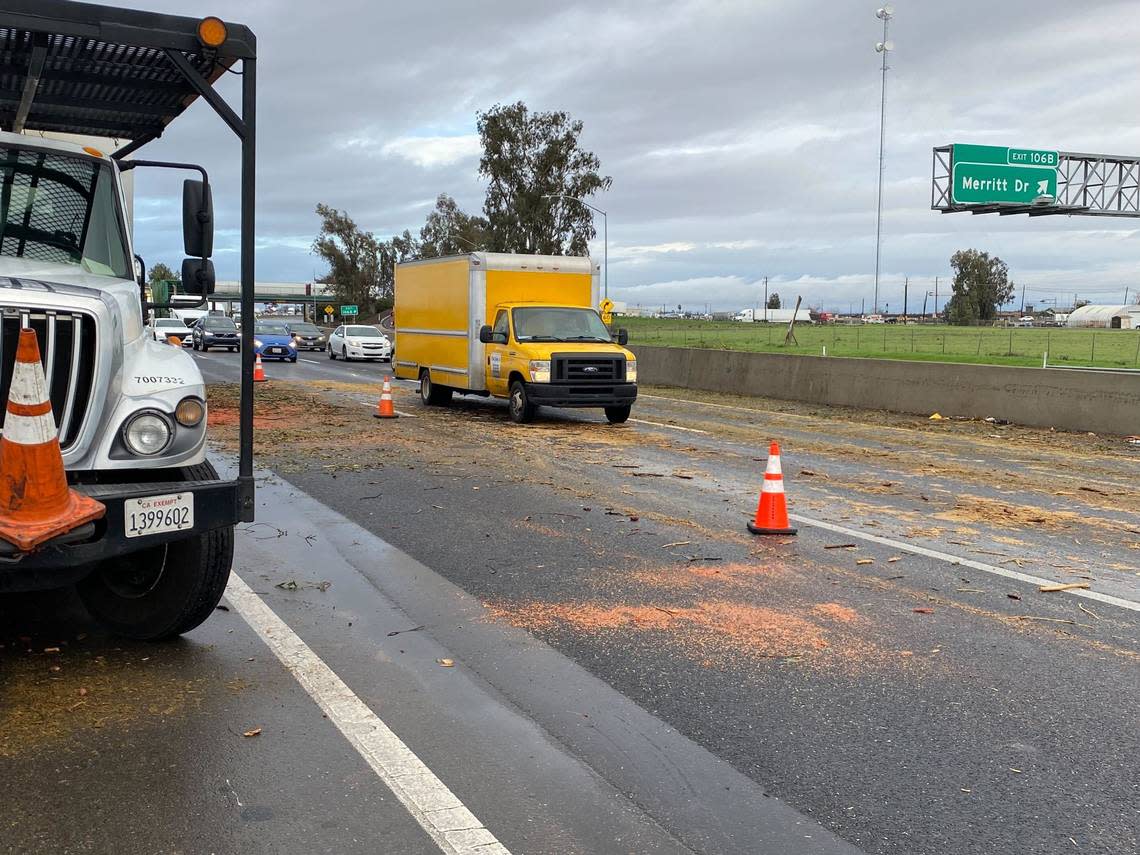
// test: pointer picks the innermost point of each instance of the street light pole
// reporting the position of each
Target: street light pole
(884, 47)
(605, 236)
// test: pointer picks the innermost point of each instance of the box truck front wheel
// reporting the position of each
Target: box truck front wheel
(166, 590)
(432, 394)
(518, 404)
(617, 415)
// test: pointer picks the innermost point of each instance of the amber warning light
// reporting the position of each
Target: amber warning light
(211, 32)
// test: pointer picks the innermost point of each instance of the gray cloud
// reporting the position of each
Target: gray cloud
(742, 136)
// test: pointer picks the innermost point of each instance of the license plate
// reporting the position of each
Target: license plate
(276, 350)
(158, 514)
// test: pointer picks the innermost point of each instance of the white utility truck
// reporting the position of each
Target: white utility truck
(130, 411)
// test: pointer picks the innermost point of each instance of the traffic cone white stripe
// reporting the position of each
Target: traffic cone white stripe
(29, 430)
(28, 384)
(773, 465)
(772, 487)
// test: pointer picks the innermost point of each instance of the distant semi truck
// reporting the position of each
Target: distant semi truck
(521, 327)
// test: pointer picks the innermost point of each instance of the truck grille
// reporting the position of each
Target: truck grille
(67, 349)
(587, 368)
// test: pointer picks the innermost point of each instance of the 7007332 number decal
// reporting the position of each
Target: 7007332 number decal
(157, 514)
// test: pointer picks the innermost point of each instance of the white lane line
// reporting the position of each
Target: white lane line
(314, 361)
(437, 810)
(964, 562)
(671, 427)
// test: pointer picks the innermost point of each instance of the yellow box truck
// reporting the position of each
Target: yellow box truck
(520, 327)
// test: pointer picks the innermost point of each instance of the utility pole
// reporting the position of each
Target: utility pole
(906, 289)
(863, 308)
(884, 47)
(1023, 298)
(936, 298)
(765, 299)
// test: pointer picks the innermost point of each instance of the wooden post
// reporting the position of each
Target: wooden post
(790, 336)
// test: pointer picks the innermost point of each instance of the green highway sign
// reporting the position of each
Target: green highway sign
(989, 174)
(349, 310)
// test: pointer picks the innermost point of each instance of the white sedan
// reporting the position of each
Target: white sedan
(162, 329)
(359, 342)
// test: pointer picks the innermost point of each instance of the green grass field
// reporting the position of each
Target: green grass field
(937, 343)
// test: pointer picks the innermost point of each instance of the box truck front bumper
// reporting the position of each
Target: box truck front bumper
(71, 557)
(581, 395)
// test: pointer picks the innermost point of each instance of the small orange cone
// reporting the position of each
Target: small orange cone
(36, 504)
(772, 512)
(385, 409)
(258, 370)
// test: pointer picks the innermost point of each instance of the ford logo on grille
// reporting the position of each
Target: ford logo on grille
(590, 369)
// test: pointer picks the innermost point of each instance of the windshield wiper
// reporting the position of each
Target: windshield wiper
(542, 338)
(589, 338)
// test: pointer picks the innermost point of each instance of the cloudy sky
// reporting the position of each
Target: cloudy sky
(742, 135)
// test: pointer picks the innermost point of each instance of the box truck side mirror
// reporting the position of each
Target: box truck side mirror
(197, 218)
(623, 336)
(198, 276)
(486, 334)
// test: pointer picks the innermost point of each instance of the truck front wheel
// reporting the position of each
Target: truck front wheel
(166, 590)
(617, 415)
(519, 406)
(432, 394)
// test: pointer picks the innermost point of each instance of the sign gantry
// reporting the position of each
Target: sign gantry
(996, 179)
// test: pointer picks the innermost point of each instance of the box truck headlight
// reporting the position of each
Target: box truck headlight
(147, 433)
(631, 371)
(540, 370)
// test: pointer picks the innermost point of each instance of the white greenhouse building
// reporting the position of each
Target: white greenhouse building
(1106, 317)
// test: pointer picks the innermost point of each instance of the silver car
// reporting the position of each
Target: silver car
(357, 341)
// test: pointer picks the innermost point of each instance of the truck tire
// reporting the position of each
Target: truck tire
(519, 407)
(618, 415)
(166, 590)
(432, 394)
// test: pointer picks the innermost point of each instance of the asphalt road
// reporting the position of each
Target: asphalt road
(633, 672)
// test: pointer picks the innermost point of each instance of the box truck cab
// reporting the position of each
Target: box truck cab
(520, 327)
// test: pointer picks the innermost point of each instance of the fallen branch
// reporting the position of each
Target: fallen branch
(1088, 611)
(676, 543)
(1067, 586)
(841, 546)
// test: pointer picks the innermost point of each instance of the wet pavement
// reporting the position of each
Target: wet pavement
(632, 671)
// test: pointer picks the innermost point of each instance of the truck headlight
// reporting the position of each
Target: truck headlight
(147, 433)
(631, 371)
(540, 370)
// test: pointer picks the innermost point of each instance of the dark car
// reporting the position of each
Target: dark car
(306, 336)
(216, 332)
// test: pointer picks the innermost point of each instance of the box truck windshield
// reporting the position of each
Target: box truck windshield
(59, 208)
(542, 323)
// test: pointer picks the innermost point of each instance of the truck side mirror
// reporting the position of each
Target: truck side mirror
(197, 218)
(622, 336)
(198, 276)
(486, 335)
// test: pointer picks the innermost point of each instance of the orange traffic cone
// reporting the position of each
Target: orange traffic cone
(258, 370)
(36, 504)
(772, 512)
(385, 409)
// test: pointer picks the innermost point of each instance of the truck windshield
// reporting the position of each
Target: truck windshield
(61, 209)
(543, 323)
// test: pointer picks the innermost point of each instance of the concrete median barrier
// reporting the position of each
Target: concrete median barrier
(1099, 401)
